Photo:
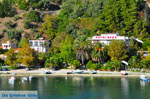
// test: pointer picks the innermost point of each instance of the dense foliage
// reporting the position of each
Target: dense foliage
(69, 29)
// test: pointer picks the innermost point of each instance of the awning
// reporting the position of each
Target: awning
(126, 63)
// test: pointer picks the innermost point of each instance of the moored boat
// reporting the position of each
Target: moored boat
(30, 77)
(24, 79)
(124, 73)
(78, 71)
(143, 77)
(11, 79)
(47, 72)
(93, 72)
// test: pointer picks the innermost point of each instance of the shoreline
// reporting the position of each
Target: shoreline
(62, 73)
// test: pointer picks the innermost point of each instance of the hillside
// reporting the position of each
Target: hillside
(67, 25)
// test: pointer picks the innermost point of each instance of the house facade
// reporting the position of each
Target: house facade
(8, 45)
(39, 45)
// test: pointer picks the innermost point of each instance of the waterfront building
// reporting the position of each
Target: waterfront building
(39, 45)
(8, 45)
(105, 39)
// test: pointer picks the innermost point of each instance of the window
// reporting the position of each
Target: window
(41, 44)
(31, 43)
(36, 44)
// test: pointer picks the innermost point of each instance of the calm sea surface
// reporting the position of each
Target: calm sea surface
(82, 87)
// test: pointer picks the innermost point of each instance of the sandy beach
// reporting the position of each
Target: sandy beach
(63, 72)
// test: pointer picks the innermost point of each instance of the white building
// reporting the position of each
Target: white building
(39, 45)
(8, 45)
(105, 39)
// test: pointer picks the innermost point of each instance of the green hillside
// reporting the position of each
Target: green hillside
(67, 24)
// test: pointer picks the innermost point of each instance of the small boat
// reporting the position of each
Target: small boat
(124, 73)
(30, 77)
(70, 72)
(24, 79)
(11, 79)
(143, 78)
(93, 72)
(47, 72)
(78, 71)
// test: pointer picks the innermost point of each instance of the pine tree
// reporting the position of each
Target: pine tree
(128, 15)
(109, 20)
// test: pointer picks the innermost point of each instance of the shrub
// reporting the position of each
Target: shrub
(23, 5)
(10, 24)
(146, 44)
(6, 8)
(76, 64)
(89, 64)
(16, 17)
(34, 16)
(27, 24)
(14, 34)
(93, 66)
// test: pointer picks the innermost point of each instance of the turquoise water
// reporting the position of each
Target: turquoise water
(82, 87)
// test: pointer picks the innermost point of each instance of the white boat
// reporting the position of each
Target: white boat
(124, 73)
(47, 72)
(143, 77)
(30, 77)
(24, 79)
(11, 79)
(93, 72)
(78, 71)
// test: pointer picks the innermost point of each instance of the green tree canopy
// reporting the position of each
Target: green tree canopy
(66, 49)
(11, 59)
(49, 26)
(117, 50)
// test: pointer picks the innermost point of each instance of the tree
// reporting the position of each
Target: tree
(146, 44)
(72, 30)
(140, 29)
(34, 16)
(117, 50)
(147, 58)
(27, 24)
(22, 43)
(133, 48)
(99, 53)
(129, 16)
(23, 5)
(54, 61)
(119, 16)
(26, 55)
(66, 49)
(133, 62)
(14, 34)
(11, 59)
(6, 8)
(82, 47)
(49, 26)
(57, 42)
(116, 64)
(76, 64)
(94, 9)
(109, 20)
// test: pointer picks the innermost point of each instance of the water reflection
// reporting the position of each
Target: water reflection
(125, 87)
(143, 83)
(81, 87)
